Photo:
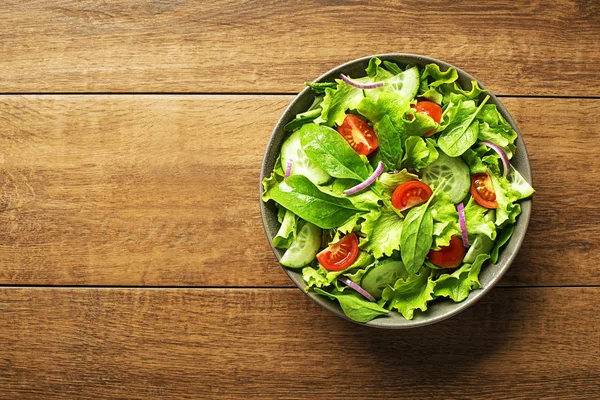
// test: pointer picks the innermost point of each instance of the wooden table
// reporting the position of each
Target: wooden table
(133, 262)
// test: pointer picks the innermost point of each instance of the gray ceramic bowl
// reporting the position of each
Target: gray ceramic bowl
(439, 309)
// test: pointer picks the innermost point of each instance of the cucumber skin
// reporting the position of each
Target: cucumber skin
(308, 252)
(371, 275)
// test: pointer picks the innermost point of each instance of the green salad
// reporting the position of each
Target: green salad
(395, 189)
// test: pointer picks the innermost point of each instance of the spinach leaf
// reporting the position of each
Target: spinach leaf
(354, 306)
(299, 195)
(330, 151)
(390, 144)
(416, 238)
(319, 87)
(463, 131)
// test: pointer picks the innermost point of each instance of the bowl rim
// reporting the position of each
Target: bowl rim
(515, 240)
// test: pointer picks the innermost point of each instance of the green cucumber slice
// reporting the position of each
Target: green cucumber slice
(380, 276)
(301, 164)
(405, 84)
(481, 245)
(518, 183)
(304, 249)
(456, 173)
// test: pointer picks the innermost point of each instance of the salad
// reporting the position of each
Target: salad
(395, 189)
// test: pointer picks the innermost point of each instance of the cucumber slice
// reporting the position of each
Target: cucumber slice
(301, 164)
(481, 245)
(304, 249)
(379, 277)
(456, 172)
(405, 84)
(518, 183)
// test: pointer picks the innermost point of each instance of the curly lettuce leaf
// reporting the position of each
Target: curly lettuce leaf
(287, 231)
(337, 101)
(445, 219)
(382, 233)
(478, 223)
(419, 152)
(314, 278)
(503, 238)
(508, 209)
(410, 294)
(387, 103)
(459, 284)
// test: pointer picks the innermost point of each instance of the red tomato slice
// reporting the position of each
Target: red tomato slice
(358, 134)
(483, 191)
(341, 254)
(450, 256)
(410, 194)
(430, 109)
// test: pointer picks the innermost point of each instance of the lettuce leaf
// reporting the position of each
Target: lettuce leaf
(387, 103)
(382, 233)
(445, 219)
(477, 220)
(287, 231)
(508, 209)
(337, 101)
(410, 294)
(458, 284)
(419, 152)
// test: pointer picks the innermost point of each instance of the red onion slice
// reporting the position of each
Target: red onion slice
(367, 182)
(463, 224)
(350, 82)
(502, 154)
(354, 286)
(288, 168)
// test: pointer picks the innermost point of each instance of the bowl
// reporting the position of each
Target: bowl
(440, 309)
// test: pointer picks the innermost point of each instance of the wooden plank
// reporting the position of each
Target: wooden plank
(224, 46)
(163, 190)
(276, 343)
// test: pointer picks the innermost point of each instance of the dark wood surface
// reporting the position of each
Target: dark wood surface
(276, 343)
(133, 263)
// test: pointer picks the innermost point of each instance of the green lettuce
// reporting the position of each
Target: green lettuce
(410, 294)
(287, 231)
(445, 219)
(337, 101)
(382, 233)
(419, 152)
(458, 284)
(508, 209)
(478, 223)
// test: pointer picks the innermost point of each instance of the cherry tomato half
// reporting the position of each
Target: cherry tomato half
(358, 134)
(483, 191)
(410, 194)
(430, 109)
(340, 255)
(450, 256)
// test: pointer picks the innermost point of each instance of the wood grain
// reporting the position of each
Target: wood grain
(534, 47)
(276, 343)
(163, 190)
